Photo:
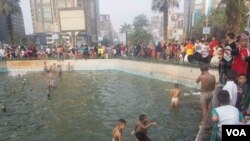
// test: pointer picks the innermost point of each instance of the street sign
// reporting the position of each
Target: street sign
(206, 30)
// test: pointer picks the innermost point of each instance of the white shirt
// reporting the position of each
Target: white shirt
(205, 51)
(198, 47)
(227, 114)
(48, 50)
(2, 52)
(231, 87)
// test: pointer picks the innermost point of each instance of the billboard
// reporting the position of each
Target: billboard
(72, 19)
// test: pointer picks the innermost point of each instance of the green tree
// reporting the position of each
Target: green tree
(8, 8)
(217, 22)
(140, 37)
(140, 32)
(164, 6)
(196, 30)
(236, 11)
(106, 42)
(126, 28)
(141, 22)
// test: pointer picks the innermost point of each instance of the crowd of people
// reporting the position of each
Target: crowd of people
(200, 51)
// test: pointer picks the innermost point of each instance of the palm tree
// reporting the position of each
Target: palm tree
(126, 28)
(8, 8)
(236, 11)
(164, 6)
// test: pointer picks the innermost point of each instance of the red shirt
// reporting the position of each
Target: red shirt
(239, 65)
(213, 44)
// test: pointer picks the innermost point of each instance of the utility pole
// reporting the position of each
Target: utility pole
(206, 27)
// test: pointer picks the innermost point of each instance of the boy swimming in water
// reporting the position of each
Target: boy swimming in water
(141, 128)
(175, 94)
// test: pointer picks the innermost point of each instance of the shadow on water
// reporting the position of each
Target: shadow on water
(86, 106)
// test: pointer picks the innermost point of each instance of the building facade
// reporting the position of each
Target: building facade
(45, 15)
(194, 9)
(3, 27)
(106, 28)
(156, 28)
(203, 7)
(17, 24)
(176, 25)
(188, 15)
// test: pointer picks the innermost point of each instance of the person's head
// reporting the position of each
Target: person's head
(143, 119)
(213, 38)
(245, 33)
(121, 124)
(176, 85)
(204, 68)
(231, 75)
(230, 35)
(223, 97)
(242, 79)
(238, 38)
(243, 44)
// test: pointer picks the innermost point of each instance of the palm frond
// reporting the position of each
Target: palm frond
(159, 5)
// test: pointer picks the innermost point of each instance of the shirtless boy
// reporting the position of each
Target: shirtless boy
(175, 94)
(69, 67)
(141, 128)
(50, 78)
(207, 81)
(117, 131)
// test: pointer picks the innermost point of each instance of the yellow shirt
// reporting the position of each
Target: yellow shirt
(189, 49)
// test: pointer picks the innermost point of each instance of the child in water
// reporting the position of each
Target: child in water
(175, 95)
(69, 67)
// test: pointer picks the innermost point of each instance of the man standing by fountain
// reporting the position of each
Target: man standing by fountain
(207, 87)
(117, 132)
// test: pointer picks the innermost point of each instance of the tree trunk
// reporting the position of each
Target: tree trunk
(10, 28)
(235, 20)
(165, 28)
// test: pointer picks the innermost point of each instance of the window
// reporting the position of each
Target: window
(46, 1)
(61, 3)
(45, 14)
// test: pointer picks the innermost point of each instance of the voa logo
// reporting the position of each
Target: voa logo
(236, 132)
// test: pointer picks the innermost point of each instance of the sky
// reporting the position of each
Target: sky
(120, 11)
(124, 11)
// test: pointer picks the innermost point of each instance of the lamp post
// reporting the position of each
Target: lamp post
(206, 26)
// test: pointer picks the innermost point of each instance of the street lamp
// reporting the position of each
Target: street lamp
(206, 27)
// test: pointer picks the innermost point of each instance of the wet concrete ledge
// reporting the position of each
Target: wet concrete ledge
(165, 72)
